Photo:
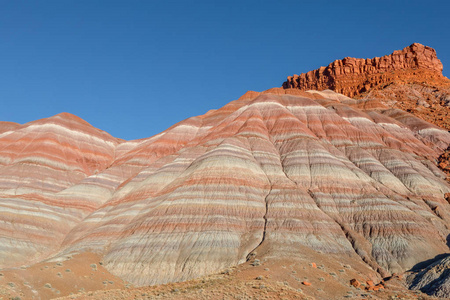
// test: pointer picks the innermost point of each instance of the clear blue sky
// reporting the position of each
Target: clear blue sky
(134, 68)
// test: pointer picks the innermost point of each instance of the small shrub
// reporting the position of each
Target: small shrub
(256, 262)
(68, 270)
(321, 279)
(11, 284)
(48, 285)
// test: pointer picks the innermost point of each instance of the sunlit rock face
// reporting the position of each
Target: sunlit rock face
(410, 79)
(316, 170)
(353, 76)
(40, 162)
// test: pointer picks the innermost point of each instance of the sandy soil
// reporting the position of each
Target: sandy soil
(266, 277)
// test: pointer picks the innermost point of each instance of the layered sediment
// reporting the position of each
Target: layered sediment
(204, 194)
(353, 76)
(286, 173)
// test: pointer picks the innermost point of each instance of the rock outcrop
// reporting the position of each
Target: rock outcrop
(312, 176)
(410, 79)
(201, 196)
(434, 279)
(353, 76)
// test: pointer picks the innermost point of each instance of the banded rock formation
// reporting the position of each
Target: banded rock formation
(410, 79)
(259, 173)
(40, 163)
(283, 173)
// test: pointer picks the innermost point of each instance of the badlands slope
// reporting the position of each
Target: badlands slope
(299, 178)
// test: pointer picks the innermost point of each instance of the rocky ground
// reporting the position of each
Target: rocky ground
(265, 278)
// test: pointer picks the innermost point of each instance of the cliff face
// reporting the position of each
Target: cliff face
(353, 76)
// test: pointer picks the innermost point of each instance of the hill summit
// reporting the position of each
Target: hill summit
(354, 76)
(298, 193)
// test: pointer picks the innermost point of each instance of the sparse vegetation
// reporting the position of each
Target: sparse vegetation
(256, 262)
(11, 284)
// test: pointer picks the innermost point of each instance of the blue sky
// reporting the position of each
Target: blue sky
(134, 68)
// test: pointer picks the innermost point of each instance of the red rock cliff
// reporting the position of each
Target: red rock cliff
(353, 76)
